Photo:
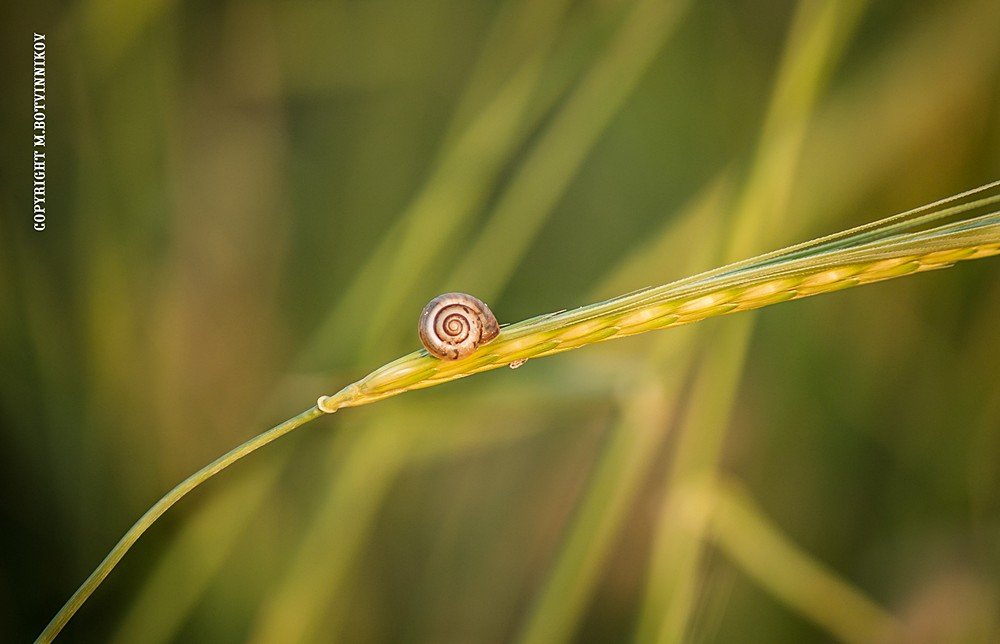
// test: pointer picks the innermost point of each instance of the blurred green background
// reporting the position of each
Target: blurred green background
(249, 203)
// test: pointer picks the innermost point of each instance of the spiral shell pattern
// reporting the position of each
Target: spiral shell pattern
(453, 325)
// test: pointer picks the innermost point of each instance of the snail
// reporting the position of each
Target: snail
(454, 325)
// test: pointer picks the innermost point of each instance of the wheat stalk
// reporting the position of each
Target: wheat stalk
(938, 235)
(882, 250)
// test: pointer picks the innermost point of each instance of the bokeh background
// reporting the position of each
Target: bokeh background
(249, 203)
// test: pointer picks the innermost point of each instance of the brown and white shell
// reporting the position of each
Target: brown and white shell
(453, 325)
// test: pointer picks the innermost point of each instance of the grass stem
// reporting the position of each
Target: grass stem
(88, 587)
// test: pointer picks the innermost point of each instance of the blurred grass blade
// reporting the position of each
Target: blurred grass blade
(673, 570)
(491, 258)
(373, 460)
(631, 448)
(800, 582)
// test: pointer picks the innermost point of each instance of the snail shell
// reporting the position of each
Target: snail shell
(453, 325)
